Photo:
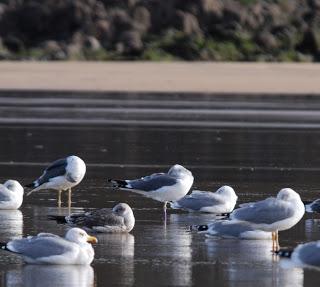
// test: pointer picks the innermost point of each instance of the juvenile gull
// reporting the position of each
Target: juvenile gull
(164, 187)
(304, 255)
(11, 195)
(119, 219)
(313, 206)
(47, 248)
(63, 174)
(272, 214)
(232, 229)
(221, 201)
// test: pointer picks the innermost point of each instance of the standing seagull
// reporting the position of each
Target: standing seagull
(11, 195)
(119, 219)
(272, 214)
(163, 187)
(63, 174)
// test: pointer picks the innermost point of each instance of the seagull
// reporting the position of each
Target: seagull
(232, 229)
(119, 219)
(220, 202)
(164, 187)
(304, 255)
(272, 214)
(62, 174)
(11, 194)
(47, 248)
(313, 206)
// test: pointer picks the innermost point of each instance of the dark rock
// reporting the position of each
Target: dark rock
(53, 51)
(119, 3)
(162, 15)
(132, 42)
(187, 23)
(310, 42)
(91, 43)
(267, 41)
(13, 44)
(103, 31)
(142, 17)
(234, 12)
(120, 22)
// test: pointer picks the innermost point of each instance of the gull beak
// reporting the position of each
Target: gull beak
(92, 239)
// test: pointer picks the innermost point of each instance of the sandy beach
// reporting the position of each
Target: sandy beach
(162, 77)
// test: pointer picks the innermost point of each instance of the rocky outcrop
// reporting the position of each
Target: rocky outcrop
(243, 30)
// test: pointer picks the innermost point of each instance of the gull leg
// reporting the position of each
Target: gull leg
(59, 198)
(165, 210)
(273, 241)
(277, 241)
(69, 198)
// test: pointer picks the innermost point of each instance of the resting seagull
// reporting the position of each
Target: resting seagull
(304, 255)
(272, 214)
(63, 174)
(219, 202)
(11, 195)
(232, 229)
(313, 206)
(164, 187)
(119, 219)
(47, 248)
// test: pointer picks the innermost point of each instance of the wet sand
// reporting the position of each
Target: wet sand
(246, 78)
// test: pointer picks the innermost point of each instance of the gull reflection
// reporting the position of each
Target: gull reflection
(11, 224)
(51, 276)
(251, 261)
(117, 250)
(166, 251)
(312, 229)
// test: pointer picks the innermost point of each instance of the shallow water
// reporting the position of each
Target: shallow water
(257, 145)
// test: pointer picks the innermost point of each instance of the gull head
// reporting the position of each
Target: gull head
(79, 236)
(227, 191)
(14, 186)
(288, 194)
(122, 209)
(178, 171)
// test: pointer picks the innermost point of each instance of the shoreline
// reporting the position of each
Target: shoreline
(162, 77)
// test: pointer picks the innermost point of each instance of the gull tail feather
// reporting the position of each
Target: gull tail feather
(199, 228)
(3, 246)
(285, 253)
(58, 218)
(118, 183)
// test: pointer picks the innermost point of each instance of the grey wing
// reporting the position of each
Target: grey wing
(151, 183)
(5, 194)
(99, 217)
(196, 201)
(40, 246)
(267, 211)
(309, 253)
(57, 168)
(229, 228)
(315, 205)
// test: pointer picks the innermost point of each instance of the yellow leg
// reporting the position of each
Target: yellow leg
(277, 241)
(59, 198)
(273, 241)
(69, 198)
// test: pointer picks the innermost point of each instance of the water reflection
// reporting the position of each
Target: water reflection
(51, 276)
(116, 250)
(312, 229)
(11, 224)
(164, 253)
(257, 263)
